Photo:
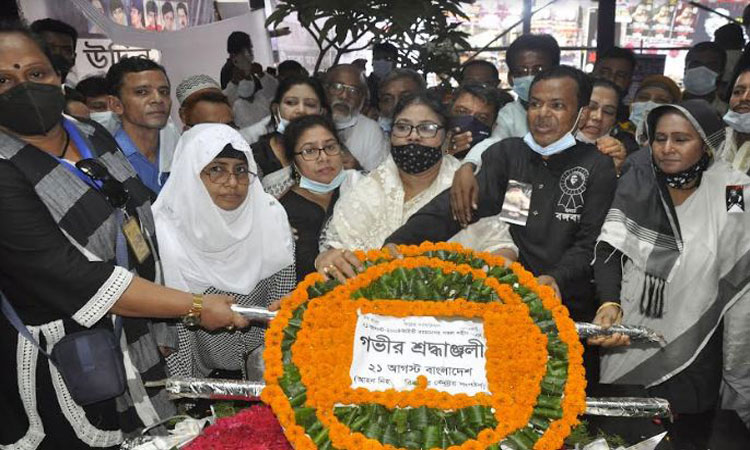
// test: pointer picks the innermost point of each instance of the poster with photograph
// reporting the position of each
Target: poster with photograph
(517, 202)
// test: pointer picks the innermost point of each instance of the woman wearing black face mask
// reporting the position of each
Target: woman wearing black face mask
(66, 192)
(414, 173)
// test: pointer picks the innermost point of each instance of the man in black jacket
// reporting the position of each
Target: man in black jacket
(571, 186)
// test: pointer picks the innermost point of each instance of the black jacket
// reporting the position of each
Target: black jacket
(571, 195)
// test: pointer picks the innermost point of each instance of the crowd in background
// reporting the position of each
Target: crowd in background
(633, 213)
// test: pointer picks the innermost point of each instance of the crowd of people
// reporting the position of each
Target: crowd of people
(115, 218)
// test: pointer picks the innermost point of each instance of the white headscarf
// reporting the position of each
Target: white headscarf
(202, 245)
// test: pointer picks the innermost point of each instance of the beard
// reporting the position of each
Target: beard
(342, 112)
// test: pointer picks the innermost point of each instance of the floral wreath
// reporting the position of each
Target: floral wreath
(535, 395)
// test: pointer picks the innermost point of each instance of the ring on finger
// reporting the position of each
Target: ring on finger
(230, 328)
(329, 268)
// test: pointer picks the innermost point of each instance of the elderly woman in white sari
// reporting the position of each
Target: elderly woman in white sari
(674, 256)
(413, 174)
(220, 232)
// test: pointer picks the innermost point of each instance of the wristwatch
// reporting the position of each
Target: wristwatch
(193, 318)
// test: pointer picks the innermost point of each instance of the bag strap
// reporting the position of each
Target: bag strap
(12, 316)
(121, 255)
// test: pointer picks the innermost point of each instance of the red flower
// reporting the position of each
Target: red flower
(255, 428)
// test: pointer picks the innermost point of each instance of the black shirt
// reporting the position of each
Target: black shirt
(571, 194)
(307, 218)
(264, 155)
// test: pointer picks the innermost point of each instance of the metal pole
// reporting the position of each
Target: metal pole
(527, 16)
(605, 28)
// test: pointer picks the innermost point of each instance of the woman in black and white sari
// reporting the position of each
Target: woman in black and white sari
(219, 232)
(674, 256)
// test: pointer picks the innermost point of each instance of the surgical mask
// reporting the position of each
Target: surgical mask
(700, 80)
(479, 131)
(581, 136)
(31, 108)
(738, 121)
(281, 124)
(565, 142)
(106, 119)
(381, 67)
(321, 188)
(385, 124)
(415, 158)
(521, 86)
(639, 110)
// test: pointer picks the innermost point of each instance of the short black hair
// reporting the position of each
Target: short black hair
(182, 6)
(115, 4)
(166, 8)
(479, 62)
(151, 7)
(708, 46)
(619, 53)
(210, 96)
(299, 125)
(290, 68)
(537, 42)
(422, 98)
(730, 37)
(91, 87)
(74, 95)
(603, 82)
(488, 95)
(385, 47)
(238, 41)
(9, 26)
(55, 26)
(581, 79)
(130, 64)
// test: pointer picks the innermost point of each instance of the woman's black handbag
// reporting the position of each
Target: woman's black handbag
(90, 362)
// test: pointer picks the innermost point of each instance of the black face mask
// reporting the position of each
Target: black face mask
(31, 108)
(415, 158)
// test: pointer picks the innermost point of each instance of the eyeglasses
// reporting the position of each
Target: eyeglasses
(113, 190)
(313, 153)
(220, 175)
(425, 130)
(340, 88)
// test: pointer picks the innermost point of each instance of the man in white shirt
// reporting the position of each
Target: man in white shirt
(346, 89)
(250, 101)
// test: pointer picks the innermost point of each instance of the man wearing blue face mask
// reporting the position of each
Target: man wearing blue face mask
(736, 148)
(571, 186)
(527, 56)
(704, 67)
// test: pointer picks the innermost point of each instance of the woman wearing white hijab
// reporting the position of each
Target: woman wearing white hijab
(219, 231)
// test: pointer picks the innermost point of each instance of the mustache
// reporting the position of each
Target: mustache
(342, 103)
(743, 103)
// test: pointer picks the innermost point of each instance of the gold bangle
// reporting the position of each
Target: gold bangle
(605, 304)
(193, 317)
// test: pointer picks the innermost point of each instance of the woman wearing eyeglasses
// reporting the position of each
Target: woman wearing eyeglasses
(219, 232)
(413, 174)
(295, 97)
(67, 269)
(314, 150)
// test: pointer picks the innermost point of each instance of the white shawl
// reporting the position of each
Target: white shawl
(203, 246)
(374, 208)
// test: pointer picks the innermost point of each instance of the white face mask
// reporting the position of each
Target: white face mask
(521, 86)
(700, 80)
(281, 124)
(739, 122)
(385, 124)
(107, 119)
(639, 111)
(565, 142)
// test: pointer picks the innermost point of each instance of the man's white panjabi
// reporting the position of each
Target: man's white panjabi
(202, 245)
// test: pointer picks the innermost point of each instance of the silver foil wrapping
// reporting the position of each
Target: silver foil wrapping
(213, 388)
(628, 407)
(642, 334)
(254, 314)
